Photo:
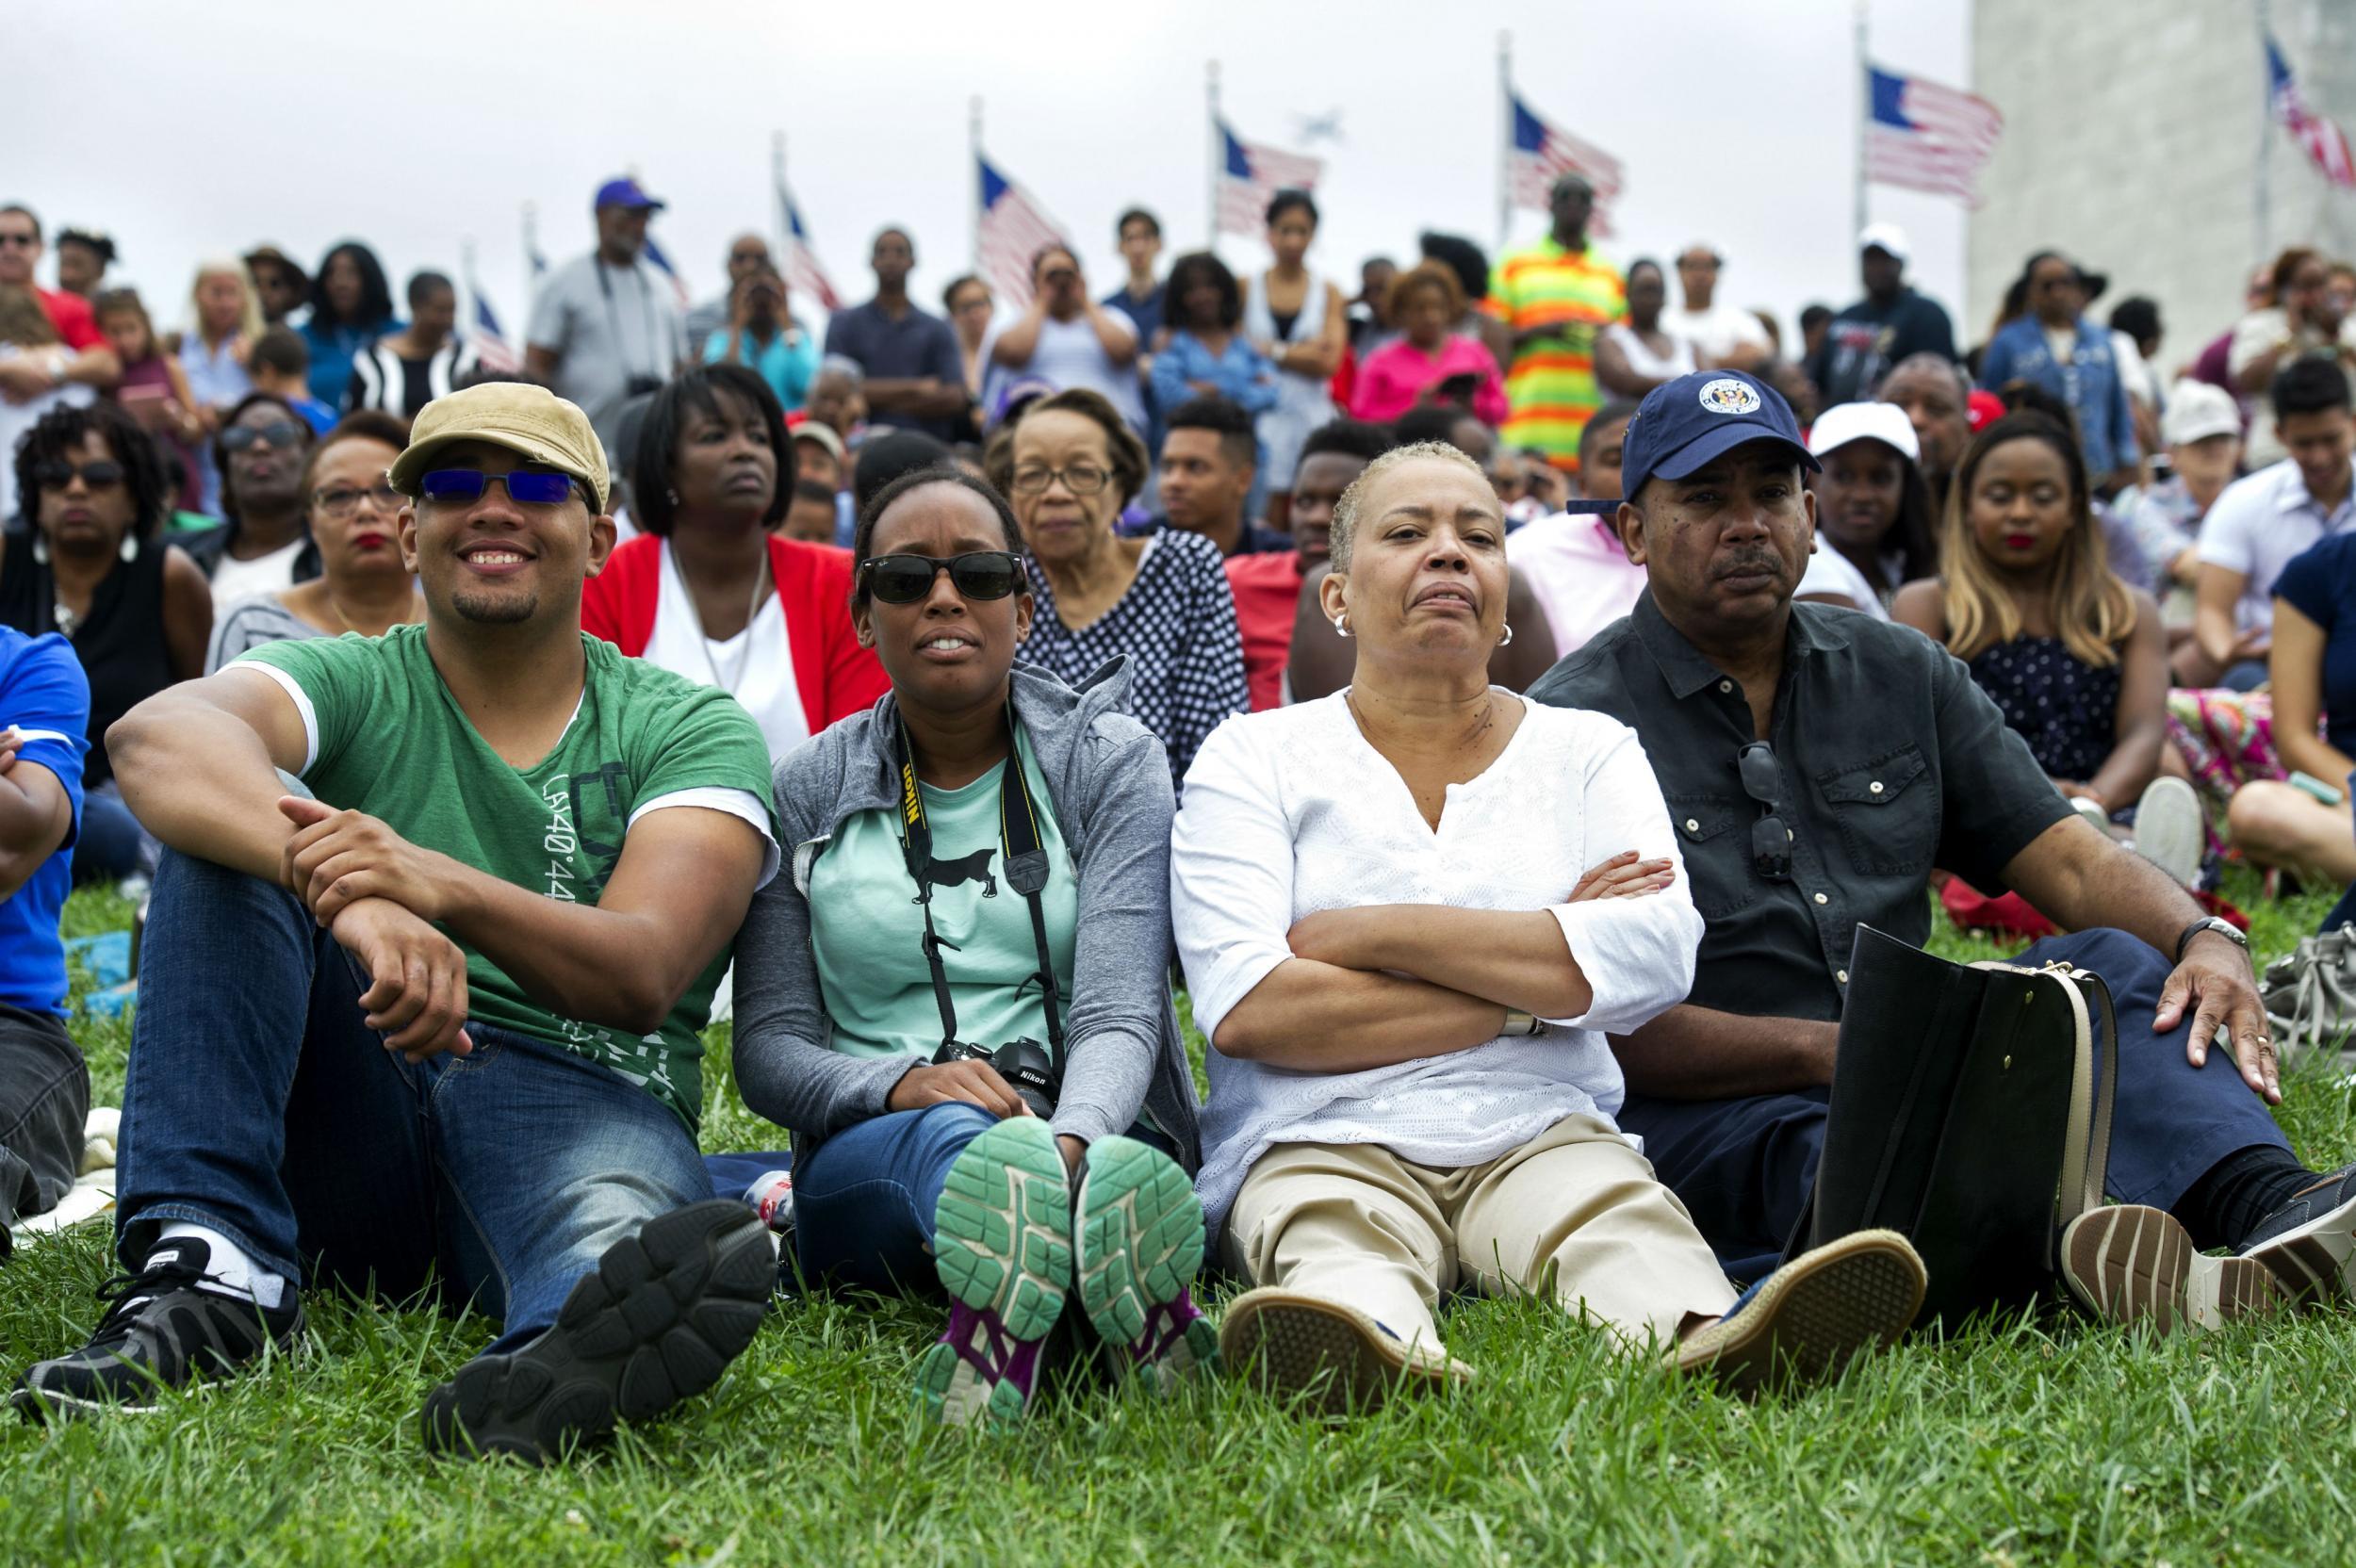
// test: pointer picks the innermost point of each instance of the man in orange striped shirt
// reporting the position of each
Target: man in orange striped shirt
(1550, 302)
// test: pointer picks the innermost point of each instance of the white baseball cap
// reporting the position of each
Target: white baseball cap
(2196, 411)
(1884, 237)
(1845, 422)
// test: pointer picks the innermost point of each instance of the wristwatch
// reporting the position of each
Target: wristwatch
(2225, 928)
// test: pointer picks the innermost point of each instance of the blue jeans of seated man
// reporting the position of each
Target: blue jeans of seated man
(1745, 1168)
(259, 1105)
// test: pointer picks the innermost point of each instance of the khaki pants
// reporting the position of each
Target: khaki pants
(1355, 1223)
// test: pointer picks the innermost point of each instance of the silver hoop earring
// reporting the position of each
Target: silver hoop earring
(1507, 641)
(40, 548)
(130, 547)
(1341, 624)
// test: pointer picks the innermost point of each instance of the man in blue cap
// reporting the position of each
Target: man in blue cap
(605, 327)
(1880, 759)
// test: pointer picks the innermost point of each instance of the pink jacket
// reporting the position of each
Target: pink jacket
(1390, 379)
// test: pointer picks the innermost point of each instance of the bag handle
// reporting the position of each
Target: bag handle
(2093, 1086)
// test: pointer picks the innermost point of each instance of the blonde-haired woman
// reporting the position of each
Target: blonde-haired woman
(225, 317)
(1410, 913)
(2076, 659)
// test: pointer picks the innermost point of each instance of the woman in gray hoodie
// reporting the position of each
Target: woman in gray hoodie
(981, 864)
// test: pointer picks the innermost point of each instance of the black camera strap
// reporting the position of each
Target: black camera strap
(1025, 866)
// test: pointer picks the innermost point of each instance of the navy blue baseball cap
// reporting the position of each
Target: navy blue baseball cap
(624, 193)
(1685, 423)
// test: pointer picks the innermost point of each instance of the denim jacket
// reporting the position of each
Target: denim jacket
(2088, 382)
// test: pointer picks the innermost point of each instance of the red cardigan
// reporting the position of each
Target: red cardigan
(837, 676)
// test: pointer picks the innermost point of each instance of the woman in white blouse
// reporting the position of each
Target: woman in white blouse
(1406, 969)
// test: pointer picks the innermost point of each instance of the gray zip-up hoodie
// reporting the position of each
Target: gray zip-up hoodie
(1108, 780)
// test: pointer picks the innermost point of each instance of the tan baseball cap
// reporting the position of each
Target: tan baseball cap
(529, 420)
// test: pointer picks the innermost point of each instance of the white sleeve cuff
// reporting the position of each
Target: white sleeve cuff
(302, 705)
(741, 804)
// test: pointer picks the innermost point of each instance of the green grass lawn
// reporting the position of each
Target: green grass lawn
(2017, 1441)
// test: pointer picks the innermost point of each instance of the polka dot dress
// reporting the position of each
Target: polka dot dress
(1176, 626)
(2067, 711)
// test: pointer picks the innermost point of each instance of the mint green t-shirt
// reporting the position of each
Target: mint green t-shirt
(389, 740)
(867, 931)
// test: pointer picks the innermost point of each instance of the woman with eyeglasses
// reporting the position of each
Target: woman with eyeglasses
(1161, 602)
(265, 546)
(1410, 914)
(710, 589)
(355, 518)
(92, 564)
(958, 1000)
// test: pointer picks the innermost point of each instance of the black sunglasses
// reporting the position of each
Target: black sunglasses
(282, 432)
(1762, 780)
(976, 575)
(95, 476)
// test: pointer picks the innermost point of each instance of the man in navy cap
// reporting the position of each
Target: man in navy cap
(605, 327)
(1872, 749)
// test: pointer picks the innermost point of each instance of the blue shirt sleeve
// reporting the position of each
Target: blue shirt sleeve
(2311, 583)
(45, 697)
(1172, 370)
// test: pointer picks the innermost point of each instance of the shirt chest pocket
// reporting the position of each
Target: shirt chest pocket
(1712, 834)
(1888, 809)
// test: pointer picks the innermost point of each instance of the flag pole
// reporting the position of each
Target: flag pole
(2262, 189)
(974, 175)
(472, 311)
(1864, 79)
(1505, 139)
(1218, 155)
(776, 194)
(531, 249)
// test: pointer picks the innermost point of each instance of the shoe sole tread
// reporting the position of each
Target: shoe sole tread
(656, 1322)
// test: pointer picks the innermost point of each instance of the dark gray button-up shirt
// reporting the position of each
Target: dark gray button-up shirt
(1892, 762)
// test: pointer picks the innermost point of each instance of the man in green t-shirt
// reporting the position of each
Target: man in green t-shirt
(433, 1015)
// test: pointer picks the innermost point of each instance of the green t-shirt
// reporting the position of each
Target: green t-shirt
(867, 931)
(388, 739)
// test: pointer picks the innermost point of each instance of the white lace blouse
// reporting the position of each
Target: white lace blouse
(1291, 811)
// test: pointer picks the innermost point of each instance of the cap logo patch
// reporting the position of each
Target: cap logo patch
(1729, 395)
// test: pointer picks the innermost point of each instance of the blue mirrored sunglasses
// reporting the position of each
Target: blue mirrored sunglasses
(466, 485)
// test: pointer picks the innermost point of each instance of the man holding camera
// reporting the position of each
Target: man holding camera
(433, 1015)
(605, 327)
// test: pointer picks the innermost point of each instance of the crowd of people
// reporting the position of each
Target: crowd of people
(1501, 693)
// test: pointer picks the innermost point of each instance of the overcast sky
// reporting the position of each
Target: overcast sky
(189, 131)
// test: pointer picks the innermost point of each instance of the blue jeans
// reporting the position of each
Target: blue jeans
(1745, 1168)
(110, 844)
(259, 1105)
(863, 1200)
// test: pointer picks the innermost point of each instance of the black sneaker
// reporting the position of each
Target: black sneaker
(659, 1321)
(170, 1324)
(2309, 1244)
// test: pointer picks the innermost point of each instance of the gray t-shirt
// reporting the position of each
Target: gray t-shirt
(606, 325)
(1069, 354)
(251, 623)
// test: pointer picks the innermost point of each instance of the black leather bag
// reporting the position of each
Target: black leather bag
(1971, 1112)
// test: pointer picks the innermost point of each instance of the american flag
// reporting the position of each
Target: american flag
(2322, 139)
(1249, 177)
(1926, 137)
(1543, 154)
(803, 273)
(1011, 228)
(663, 264)
(491, 348)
